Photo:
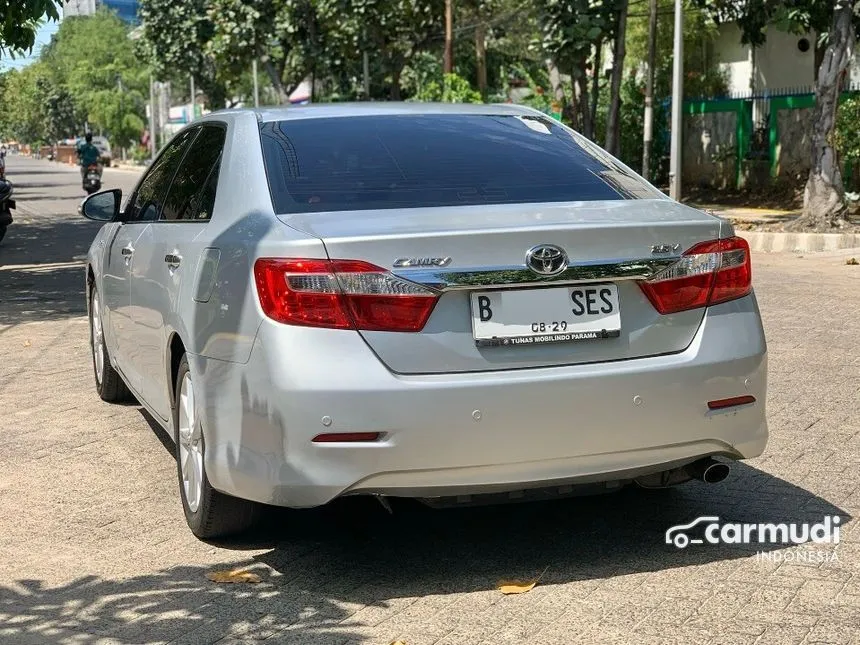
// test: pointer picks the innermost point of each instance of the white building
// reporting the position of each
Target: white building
(79, 7)
(786, 62)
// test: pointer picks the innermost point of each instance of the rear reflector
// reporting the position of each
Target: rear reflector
(707, 274)
(341, 294)
(346, 437)
(730, 403)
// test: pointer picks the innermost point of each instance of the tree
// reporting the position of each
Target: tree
(570, 30)
(285, 35)
(174, 38)
(824, 196)
(393, 31)
(837, 23)
(20, 20)
(94, 62)
(448, 58)
(618, 54)
(21, 106)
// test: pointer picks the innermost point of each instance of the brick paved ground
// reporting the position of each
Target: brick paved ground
(94, 549)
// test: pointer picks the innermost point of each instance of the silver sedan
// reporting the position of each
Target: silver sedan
(445, 302)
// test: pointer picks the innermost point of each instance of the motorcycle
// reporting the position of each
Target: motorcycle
(92, 179)
(6, 206)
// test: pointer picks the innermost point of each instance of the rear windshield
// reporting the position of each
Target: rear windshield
(413, 161)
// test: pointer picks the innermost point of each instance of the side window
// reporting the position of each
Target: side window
(204, 205)
(186, 194)
(148, 201)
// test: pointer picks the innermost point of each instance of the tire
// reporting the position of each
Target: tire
(209, 513)
(109, 383)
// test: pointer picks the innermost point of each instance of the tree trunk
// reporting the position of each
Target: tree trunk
(648, 130)
(581, 106)
(595, 81)
(396, 71)
(448, 62)
(824, 197)
(567, 110)
(277, 83)
(819, 50)
(619, 52)
(481, 58)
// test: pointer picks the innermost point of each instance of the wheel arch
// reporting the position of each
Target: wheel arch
(90, 281)
(175, 352)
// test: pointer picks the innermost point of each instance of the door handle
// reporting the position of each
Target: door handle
(173, 260)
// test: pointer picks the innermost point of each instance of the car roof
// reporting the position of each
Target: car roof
(372, 108)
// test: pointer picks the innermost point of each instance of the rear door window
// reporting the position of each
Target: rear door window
(191, 182)
(412, 161)
(148, 201)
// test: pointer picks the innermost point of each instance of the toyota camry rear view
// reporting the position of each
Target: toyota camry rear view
(445, 302)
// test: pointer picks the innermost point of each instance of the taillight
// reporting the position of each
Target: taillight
(707, 274)
(340, 294)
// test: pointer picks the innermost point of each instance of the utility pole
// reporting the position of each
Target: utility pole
(366, 65)
(151, 118)
(256, 83)
(648, 134)
(677, 103)
(193, 101)
(449, 37)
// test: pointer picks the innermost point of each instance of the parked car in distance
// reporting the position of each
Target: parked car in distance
(104, 148)
(443, 302)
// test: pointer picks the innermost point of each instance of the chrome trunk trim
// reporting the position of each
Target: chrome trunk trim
(449, 279)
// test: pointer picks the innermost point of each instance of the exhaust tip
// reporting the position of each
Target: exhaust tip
(715, 473)
(708, 470)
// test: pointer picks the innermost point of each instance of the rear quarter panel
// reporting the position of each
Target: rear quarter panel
(220, 320)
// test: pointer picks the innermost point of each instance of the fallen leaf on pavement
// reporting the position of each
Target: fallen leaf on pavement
(514, 587)
(233, 576)
(398, 643)
(519, 586)
(27, 343)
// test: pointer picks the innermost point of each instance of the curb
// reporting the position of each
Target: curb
(799, 242)
(127, 168)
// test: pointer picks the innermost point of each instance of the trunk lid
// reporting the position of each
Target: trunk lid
(487, 246)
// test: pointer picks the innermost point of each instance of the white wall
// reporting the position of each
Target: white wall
(780, 64)
(733, 57)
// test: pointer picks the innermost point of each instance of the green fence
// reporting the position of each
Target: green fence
(744, 127)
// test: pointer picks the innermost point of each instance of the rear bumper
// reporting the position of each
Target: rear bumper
(472, 433)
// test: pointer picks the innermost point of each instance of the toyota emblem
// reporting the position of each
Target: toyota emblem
(546, 259)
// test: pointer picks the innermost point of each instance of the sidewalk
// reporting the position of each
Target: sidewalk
(756, 226)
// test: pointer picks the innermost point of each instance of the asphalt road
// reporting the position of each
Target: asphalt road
(94, 548)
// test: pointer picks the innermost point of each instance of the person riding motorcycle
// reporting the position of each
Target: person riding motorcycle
(88, 155)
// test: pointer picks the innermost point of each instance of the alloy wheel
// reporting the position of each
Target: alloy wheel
(190, 446)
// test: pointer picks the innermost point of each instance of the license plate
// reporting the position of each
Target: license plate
(555, 315)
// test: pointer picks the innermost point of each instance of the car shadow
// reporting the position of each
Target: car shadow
(42, 269)
(329, 573)
(567, 539)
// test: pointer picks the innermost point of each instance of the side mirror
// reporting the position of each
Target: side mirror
(103, 206)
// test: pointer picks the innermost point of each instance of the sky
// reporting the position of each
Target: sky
(43, 37)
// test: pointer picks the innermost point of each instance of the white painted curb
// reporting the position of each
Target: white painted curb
(799, 242)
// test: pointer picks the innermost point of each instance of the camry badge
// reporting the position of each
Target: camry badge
(546, 259)
(400, 263)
